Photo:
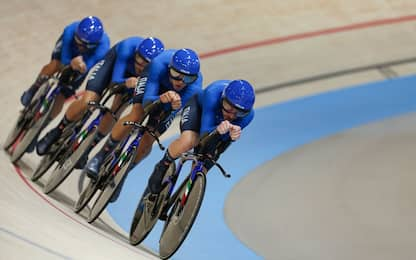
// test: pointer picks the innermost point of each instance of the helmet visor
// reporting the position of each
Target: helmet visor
(229, 108)
(187, 79)
(84, 44)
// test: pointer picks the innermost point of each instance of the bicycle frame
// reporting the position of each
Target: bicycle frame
(198, 161)
(46, 100)
(197, 167)
(94, 124)
(117, 161)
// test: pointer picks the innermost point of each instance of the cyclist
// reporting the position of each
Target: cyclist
(81, 45)
(125, 63)
(224, 105)
(174, 77)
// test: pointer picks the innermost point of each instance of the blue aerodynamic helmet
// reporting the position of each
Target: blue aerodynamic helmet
(149, 48)
(90, 30)
(240, 94)
(185, 61)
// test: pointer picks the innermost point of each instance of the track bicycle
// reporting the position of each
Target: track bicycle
(183, 204)
(36, 116)
(117, 164)
(81, 143)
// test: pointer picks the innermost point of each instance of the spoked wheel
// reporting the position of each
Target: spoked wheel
(63, 169)
(85, 196)
(31, 134)
(110, 187)
(148, 211)
(16, 131)
(182, 217)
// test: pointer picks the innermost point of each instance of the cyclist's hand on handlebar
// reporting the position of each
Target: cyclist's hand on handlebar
(131, 82)
(173, 98)
(78, 64)
(225, 127)
(235, 132)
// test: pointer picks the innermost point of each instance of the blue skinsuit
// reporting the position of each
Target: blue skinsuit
(158, 81)
(210, 101)
(124, 64)
(70, 50)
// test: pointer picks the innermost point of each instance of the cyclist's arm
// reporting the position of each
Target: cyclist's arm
(151, 92)
(210, 105)
(67, 38)
(120, 66)
(99, 52)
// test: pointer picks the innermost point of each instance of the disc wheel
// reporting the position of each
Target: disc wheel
(182, 217)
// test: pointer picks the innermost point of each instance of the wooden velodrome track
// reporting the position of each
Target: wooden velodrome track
(287, 50)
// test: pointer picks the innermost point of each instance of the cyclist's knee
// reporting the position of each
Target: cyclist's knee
(137, 112)
(142, 153)
(116, 103)
(188, 139)
(134, 116)
(89, 96)
(52, 67)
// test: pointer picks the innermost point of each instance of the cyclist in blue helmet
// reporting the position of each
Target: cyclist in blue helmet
(224, 105)
(81, 45)
(89, 32)
(125, 64)
(174, 77)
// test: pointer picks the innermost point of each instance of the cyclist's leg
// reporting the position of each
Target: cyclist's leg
(118, 132)
(107, 122)
(144, 148)
(147, 141)
(98, 80)
(79, 107)
(53, 135)
(190, 126)
(103, 128)
(47, 71)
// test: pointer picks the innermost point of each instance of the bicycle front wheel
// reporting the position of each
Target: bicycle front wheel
(85, 196)
(63, 169)
(110, 187)
(182, 217)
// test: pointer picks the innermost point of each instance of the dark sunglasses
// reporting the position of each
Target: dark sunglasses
(138, 59)
(187, 79)
(233, 110)
(87, 45)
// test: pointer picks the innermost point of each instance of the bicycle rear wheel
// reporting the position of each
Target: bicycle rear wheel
(17, 129)
(110, 187)
(31, 134)
(43, 166)
(148, 212)
(85, 196)
(25, 117)
(182, 217)
(63, 169)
